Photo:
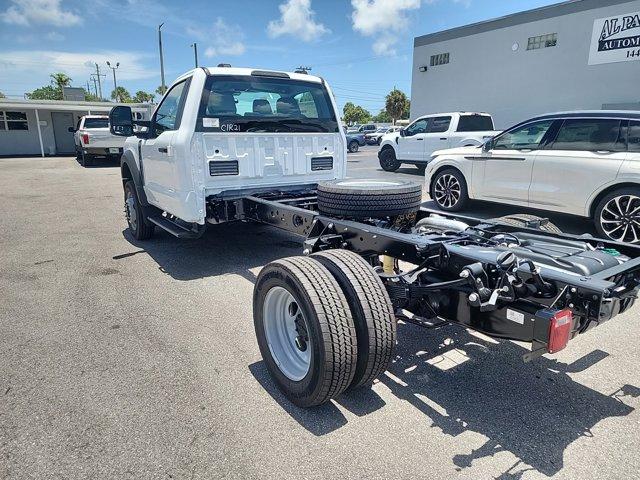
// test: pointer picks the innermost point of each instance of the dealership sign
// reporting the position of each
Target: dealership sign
(615, 39)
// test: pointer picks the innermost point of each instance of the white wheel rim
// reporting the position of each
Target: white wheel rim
(620, 219)
(287, 333)
(447, 190)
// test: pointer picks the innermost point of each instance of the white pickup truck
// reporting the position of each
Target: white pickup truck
(415, 143)
(93, 139)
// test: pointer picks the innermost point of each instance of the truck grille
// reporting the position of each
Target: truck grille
(227, 167)
(321, 163)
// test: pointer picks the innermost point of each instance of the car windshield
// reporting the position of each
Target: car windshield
(96, 123)
(265, 104)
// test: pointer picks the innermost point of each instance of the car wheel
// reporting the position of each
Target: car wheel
(449, 190)
(617, 216)
(388, 161)
(353, 146)
(305, 330)
(135, 214)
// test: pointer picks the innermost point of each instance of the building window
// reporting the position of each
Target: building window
(542, 41)
(13, 121)
(439, 59)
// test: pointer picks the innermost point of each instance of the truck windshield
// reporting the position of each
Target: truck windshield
(265, 104)
(475, 123)
(96, 123)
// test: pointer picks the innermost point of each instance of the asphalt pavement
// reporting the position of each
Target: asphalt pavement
(125, 359)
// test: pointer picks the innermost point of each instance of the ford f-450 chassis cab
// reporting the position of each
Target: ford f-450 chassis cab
(230, 144)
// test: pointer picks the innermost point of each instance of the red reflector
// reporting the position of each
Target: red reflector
(559, 330)
(85, 138)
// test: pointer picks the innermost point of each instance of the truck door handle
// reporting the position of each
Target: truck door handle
(443, 138)
(163, 149)
(420, 139)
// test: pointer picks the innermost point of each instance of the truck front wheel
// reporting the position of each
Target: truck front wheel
(139, 226)
(305, 330)
(388, 161)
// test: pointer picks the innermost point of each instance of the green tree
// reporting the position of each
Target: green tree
(396, 104)
(121, 94)
(143, 97)
(406, 111)
(48, 92)
(90, 97)
(382, 117)
(354, 114)
(160, 90)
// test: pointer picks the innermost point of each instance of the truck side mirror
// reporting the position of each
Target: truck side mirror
(121, 121)
(402, 132)
(488, 145)
(71, 130)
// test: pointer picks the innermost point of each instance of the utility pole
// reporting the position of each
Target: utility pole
(161, 58)
(95, 86)
(98, 75)
(195, 52)
(88, 87)
(115, 85)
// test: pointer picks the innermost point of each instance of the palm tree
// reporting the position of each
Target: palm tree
(60, 80)
(396, 103)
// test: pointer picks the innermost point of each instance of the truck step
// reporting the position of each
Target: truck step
(175, 229)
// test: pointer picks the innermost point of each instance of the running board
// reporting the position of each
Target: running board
(177, 230)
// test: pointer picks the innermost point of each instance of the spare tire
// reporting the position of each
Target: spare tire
(364, 198)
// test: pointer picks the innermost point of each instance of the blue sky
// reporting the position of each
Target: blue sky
(362, 47)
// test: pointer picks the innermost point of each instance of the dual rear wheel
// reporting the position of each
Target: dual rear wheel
(324, 324)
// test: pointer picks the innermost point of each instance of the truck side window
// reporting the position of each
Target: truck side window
(589, 135)
(419, 126)
(168, 113)
(439, 124)
(634, 136)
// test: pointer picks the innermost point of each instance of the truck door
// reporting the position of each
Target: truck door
(437, 136)
(158, 158)
(411, 145)
(506, 168)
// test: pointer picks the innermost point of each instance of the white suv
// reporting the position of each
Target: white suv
(581, 163)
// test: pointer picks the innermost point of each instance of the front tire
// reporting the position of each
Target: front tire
(353, 146)
(449, 190)
(617, 216)
(135, 213)
(305, 330)
(388, 160)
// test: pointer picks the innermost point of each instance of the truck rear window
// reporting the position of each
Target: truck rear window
(265, 104)
(96, 123)
(475, 123)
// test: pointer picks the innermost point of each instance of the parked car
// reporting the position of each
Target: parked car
(582, 163)
(355, 141)
(367, 128)
(93, 139)
(375, 138)
(415, 143)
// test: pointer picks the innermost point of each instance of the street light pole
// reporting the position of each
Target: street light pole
(195, 52)
(161, 58)
(115, 84)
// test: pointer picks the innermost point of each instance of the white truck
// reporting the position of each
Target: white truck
(231, 144)
(93, 139)
(415, 143)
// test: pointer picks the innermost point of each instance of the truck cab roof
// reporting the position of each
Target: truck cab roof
(242, 71)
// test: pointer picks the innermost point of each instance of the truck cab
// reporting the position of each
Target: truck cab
(224, 132)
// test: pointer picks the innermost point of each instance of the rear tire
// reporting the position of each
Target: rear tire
(521, 220)
(85, 159)
(359, 199)
(388, 160)
(136, 214)
(371, 309)
(297, 303)
(353, 146)
(449, 190)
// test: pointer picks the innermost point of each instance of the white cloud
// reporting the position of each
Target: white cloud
(297, 19)
(384, 19)
(39, 12)
(221, 40)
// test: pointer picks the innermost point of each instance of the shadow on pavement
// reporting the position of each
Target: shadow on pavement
(230, 248)
(463, 383)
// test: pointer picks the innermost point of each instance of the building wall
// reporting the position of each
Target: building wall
(485, 74)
